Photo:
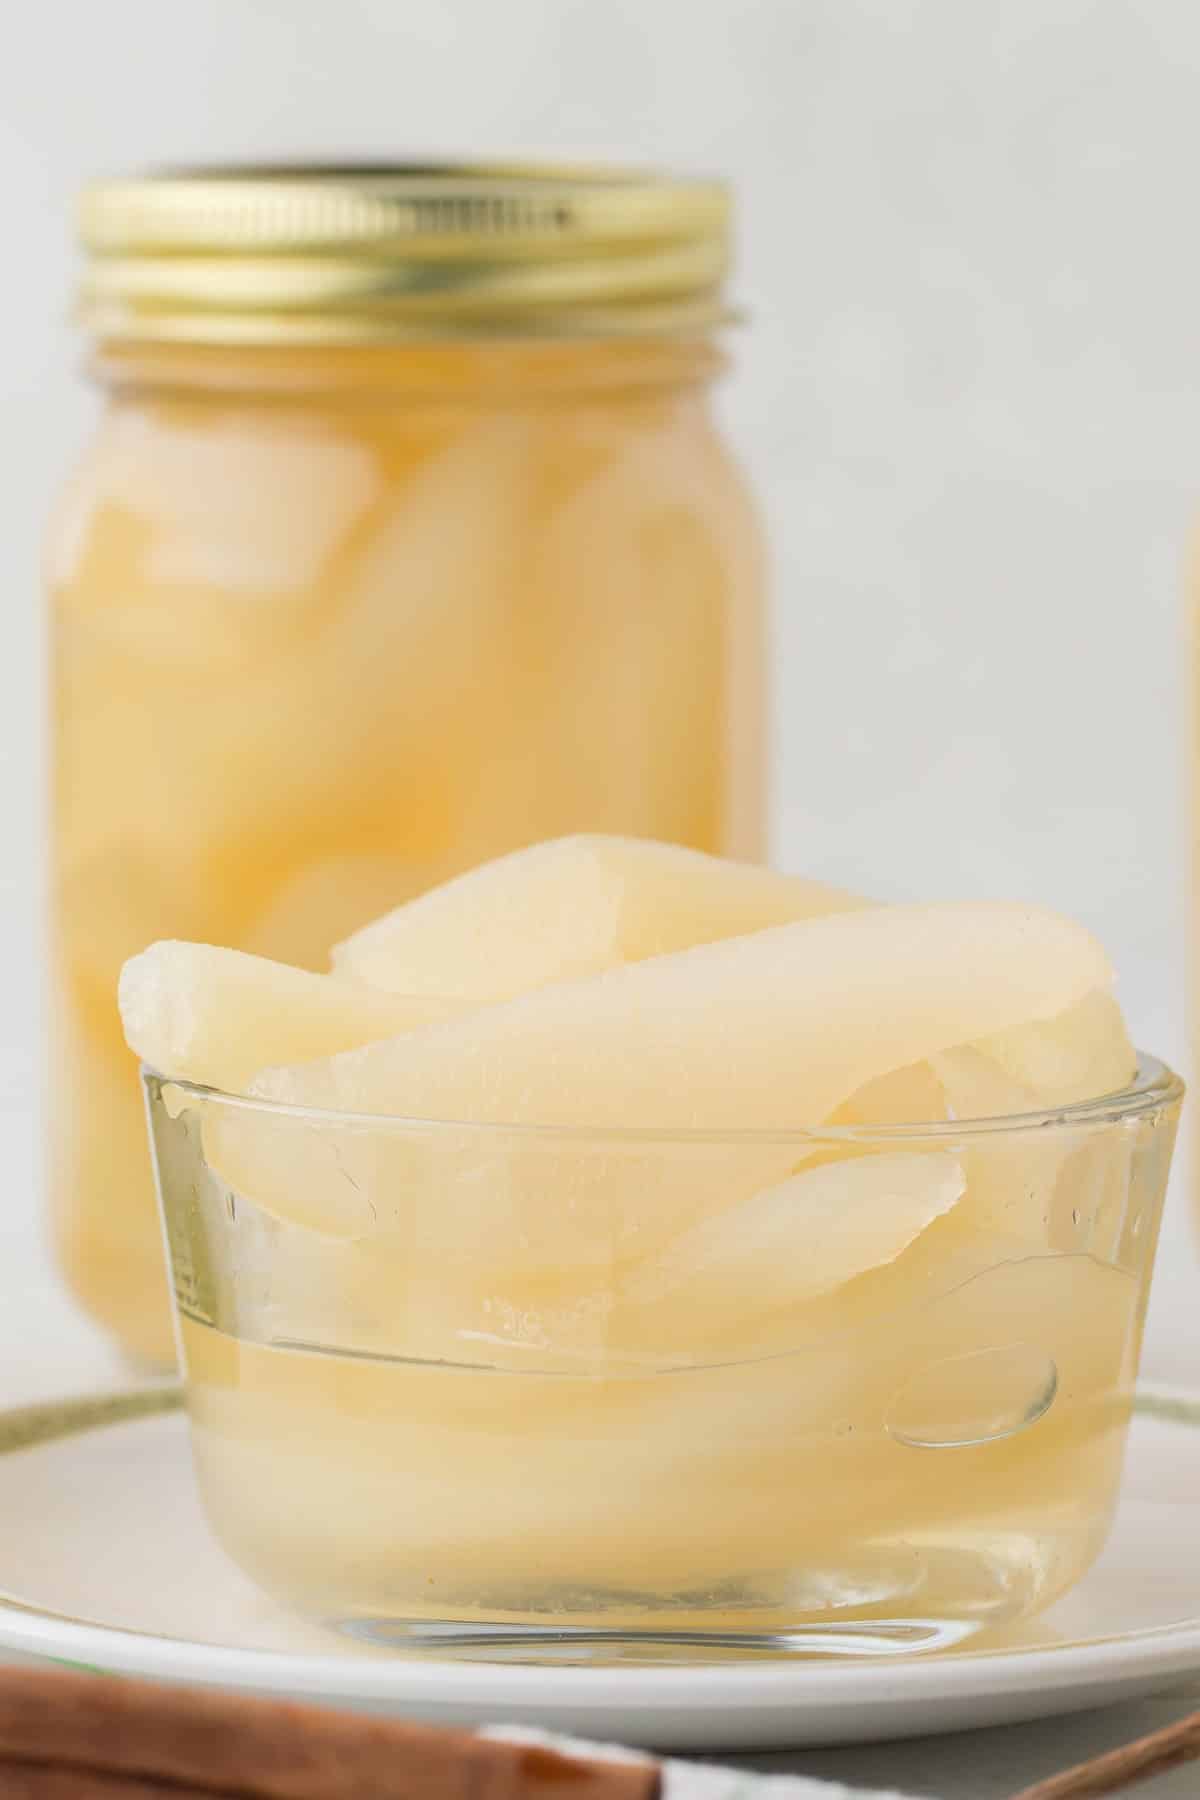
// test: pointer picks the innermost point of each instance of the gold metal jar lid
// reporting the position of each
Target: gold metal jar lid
(338, 255)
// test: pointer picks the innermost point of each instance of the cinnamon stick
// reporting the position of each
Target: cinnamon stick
(1119, 1770)
(95, 1737)
(41, 1781)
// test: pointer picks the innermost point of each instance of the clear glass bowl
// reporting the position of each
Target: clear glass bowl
(853, 1389)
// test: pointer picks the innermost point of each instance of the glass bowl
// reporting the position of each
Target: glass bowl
(487, 1388)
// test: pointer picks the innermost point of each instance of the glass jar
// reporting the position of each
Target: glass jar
(406, 538)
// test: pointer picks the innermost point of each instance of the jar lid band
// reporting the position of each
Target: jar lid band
(348, 254)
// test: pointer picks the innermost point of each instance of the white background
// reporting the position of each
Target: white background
(969, 394)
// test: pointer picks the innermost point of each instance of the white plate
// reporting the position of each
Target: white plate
(106, 1560)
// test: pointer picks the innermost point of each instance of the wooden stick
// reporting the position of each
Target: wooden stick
(1124, 1768)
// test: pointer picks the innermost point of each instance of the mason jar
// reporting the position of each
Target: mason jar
(406, 537)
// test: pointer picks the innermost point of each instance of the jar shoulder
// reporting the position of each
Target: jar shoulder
(238, 494)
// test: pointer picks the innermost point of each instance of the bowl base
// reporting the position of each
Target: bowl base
(591, 1646)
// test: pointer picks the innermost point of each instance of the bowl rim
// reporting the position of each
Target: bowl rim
(1155, 1088)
